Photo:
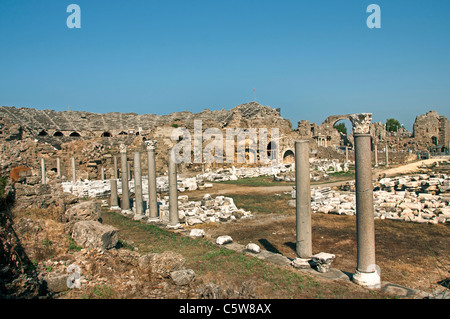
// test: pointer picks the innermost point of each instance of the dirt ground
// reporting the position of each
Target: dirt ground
(409, 254)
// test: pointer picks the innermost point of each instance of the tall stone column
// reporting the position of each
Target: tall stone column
(367, 272)
(387, 156)
(74, 170)
(114, 204)
(58, 167)
(174, 220)
(346, 154)
(303, 200)
(152, 199)
(116, 174)
(139, 211)
(43, 172)
(125, 203)
(376, 154)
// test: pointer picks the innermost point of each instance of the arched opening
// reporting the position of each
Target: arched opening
(58, 133)
(272, 150)
(43, 133)
(74, 134)
(288, 157)
(344, 128)
(123, 133)
(106, 134)
(434, 140)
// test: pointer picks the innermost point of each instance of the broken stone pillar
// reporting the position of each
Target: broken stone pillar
(125, 204)
(303, 200)
(103, 173)
(74, 170)
(346, 154)
(139, 211)
(387, 156)
(114, 198)
(58, 167)
(43, 177)
(129, 171)
(366, 272)
(116, 174)
(174, 220)
(376, 155)
(152, 199)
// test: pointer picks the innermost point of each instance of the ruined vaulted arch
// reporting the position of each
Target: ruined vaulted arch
(43, 133)
(74, 134)
(58, 133)
(106, 134)
(288, 156)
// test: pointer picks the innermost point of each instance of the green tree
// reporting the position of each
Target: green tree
(392, 125)
(340, 127)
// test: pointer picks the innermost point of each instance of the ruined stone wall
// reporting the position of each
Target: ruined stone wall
(432, 130)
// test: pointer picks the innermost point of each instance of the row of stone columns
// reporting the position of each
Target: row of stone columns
(152, 205)
(367, 273)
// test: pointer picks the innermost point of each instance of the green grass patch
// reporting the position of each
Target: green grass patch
(257, 181)
(265, 204)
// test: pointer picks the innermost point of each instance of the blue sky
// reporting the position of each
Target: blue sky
(310, 58)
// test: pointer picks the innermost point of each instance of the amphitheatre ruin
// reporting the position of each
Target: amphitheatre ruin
(77, 166)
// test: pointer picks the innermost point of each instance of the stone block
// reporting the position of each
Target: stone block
(92, 234)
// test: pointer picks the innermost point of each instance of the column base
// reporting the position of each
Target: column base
(115, 208)
(153, 220)
(176, 226)
(127, 212)
(138, 217)
(370, 280)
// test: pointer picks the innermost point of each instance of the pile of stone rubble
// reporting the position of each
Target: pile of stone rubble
(102, 188)
(408, 198)
(218, 209)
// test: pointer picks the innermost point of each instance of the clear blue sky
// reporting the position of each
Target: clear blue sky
(310, 58)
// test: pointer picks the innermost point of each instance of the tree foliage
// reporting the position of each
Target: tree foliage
(340, 127)
(392, 125)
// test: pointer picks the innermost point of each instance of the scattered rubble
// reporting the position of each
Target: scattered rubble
(410, 198)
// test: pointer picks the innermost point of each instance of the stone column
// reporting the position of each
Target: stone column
(387, 156)
(114, 198)
(116, 175)
(139, 211)
(129, 171)
(125, 203)
(346, 154)
(103, 173)
(303, 200)
(174, 220)
(74, 171)
(43, 177)
(152, 199)
(376, 154)
(367, 273)
(58, 167)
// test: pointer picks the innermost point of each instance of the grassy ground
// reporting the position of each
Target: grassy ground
(228, 268)
(265, 181)
(410, 254)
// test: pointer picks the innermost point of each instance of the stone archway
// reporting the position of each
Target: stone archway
(288, 157)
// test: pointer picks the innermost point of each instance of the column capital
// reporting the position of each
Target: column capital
(361, 122)
(123, 148)
(150, 145)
